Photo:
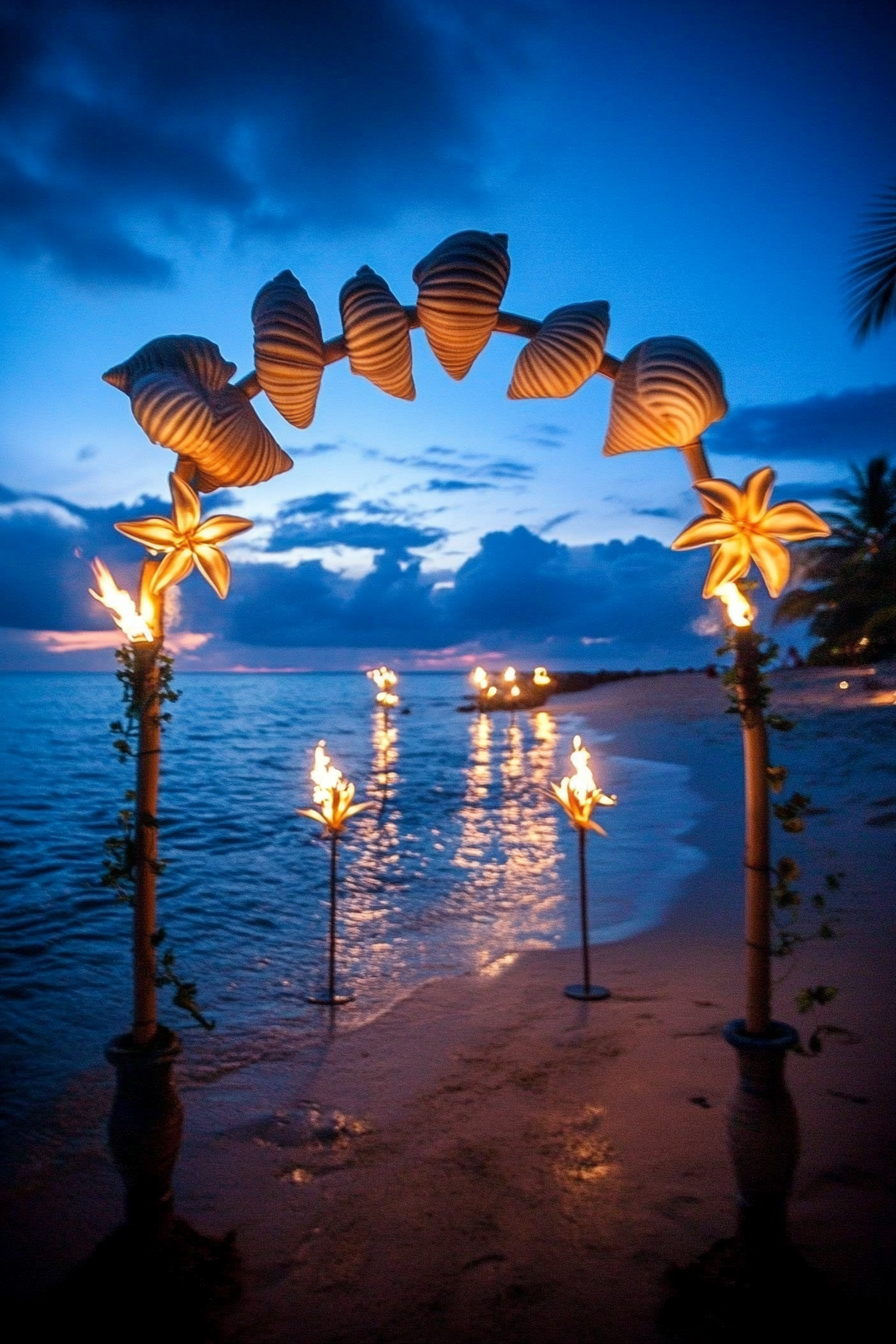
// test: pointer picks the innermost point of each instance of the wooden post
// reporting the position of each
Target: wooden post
(146, 698)
(756, 838)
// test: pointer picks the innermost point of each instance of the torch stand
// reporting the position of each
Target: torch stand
(763, 1131)
(147, 1116)
(331, 998)
(585, 991)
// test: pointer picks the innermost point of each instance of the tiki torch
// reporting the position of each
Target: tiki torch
(578, 794)
(385, 681)
(333, 796)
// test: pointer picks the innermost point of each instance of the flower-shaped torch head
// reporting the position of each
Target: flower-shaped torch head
(743, 529)
(384, 679)
(139, 624)
(332, 793)
(186, 540)
(578, 794)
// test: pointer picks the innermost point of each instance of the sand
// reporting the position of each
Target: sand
(491, 1161)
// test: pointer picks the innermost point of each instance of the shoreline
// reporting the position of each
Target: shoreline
(509, 1159)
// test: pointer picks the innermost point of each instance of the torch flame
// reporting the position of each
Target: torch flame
(740, 613)
(492, 692)
(137, 625)
(479, 678)
(514, 690)
(578, 794)
(540, 677)
(510, 674)
(388, 699)
(383, 677)
(332, 793)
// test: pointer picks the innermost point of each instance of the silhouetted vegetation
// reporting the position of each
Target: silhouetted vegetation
(848, 588)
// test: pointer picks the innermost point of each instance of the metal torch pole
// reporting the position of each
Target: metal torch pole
(332, 975)
(146, 697)
(583, 898)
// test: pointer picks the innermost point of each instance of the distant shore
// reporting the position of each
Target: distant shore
(490, 1161)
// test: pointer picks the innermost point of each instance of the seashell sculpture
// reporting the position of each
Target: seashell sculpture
(377, 337)
(182, 400)
(564, 353)
(461, 284)
(289, 356)
(200, 360)
(667, 392)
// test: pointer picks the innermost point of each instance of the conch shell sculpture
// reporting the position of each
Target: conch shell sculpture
(181, 398)
(289, 355)
(667, 391)
(377, 337)
(461, 284)
(564, 353)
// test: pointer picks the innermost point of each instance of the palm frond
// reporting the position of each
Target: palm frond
(871, 280)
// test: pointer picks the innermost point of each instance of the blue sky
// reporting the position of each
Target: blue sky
(703, 167)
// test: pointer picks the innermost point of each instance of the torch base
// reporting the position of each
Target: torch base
(590, 995)
(330, 1000)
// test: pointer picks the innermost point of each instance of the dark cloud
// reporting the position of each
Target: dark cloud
(325, 520)
(556, 521)
(313, 450)
(657, 513)
(635, 601)
(848, 427)
(268, 118)
(46, 545)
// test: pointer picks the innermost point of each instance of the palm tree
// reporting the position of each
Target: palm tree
(851, 576)
(871, 280)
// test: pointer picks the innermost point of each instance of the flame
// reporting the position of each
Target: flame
(510, 674)
(332, 793)
(540, 677)
(578, 794)
(479, 678)
(492, 692)
(740, 613)
(137, 625)
(387, 699)
(384, 678)
(514, 691)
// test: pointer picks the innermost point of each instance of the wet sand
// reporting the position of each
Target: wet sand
(490, 1161)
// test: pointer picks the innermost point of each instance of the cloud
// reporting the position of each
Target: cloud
(556, 521)
(324, 520)
(157, 119)
(848, 427)
(313, 450)
(636, 601)
(657, 513)
(544, 436)
(448, 486)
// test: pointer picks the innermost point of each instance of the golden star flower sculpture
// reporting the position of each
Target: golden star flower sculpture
(332, 793)
(579, 794)
(743, 529)
(186, 540)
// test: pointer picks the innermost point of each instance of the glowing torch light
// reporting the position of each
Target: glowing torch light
(738, 609)
(579, 794)
(334, 797)
(540, 677)
(510, 674)
(138, 625)
(479, 678)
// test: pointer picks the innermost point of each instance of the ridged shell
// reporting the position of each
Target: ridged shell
(289, 355)
(240, 449)
(172, 411)
(217, 431)
(667, 392)
(199, 359)
(461, 284)
(564, 353)
(377, 337)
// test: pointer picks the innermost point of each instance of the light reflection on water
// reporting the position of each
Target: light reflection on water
(463, 859)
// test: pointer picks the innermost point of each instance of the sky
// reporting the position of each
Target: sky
(703, 166)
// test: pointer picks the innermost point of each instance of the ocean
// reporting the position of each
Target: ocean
(462, 860)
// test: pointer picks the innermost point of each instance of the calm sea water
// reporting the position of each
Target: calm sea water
(462, 859)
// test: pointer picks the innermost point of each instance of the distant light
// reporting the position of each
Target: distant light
(492, 691)
(540, 677)
(844, 685)
(514, 690)
(510, 674)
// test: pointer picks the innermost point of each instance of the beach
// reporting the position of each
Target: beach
(488, 1160)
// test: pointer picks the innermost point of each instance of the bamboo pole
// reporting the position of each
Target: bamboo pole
(146, 698)
(756, 840)
(757, 887)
